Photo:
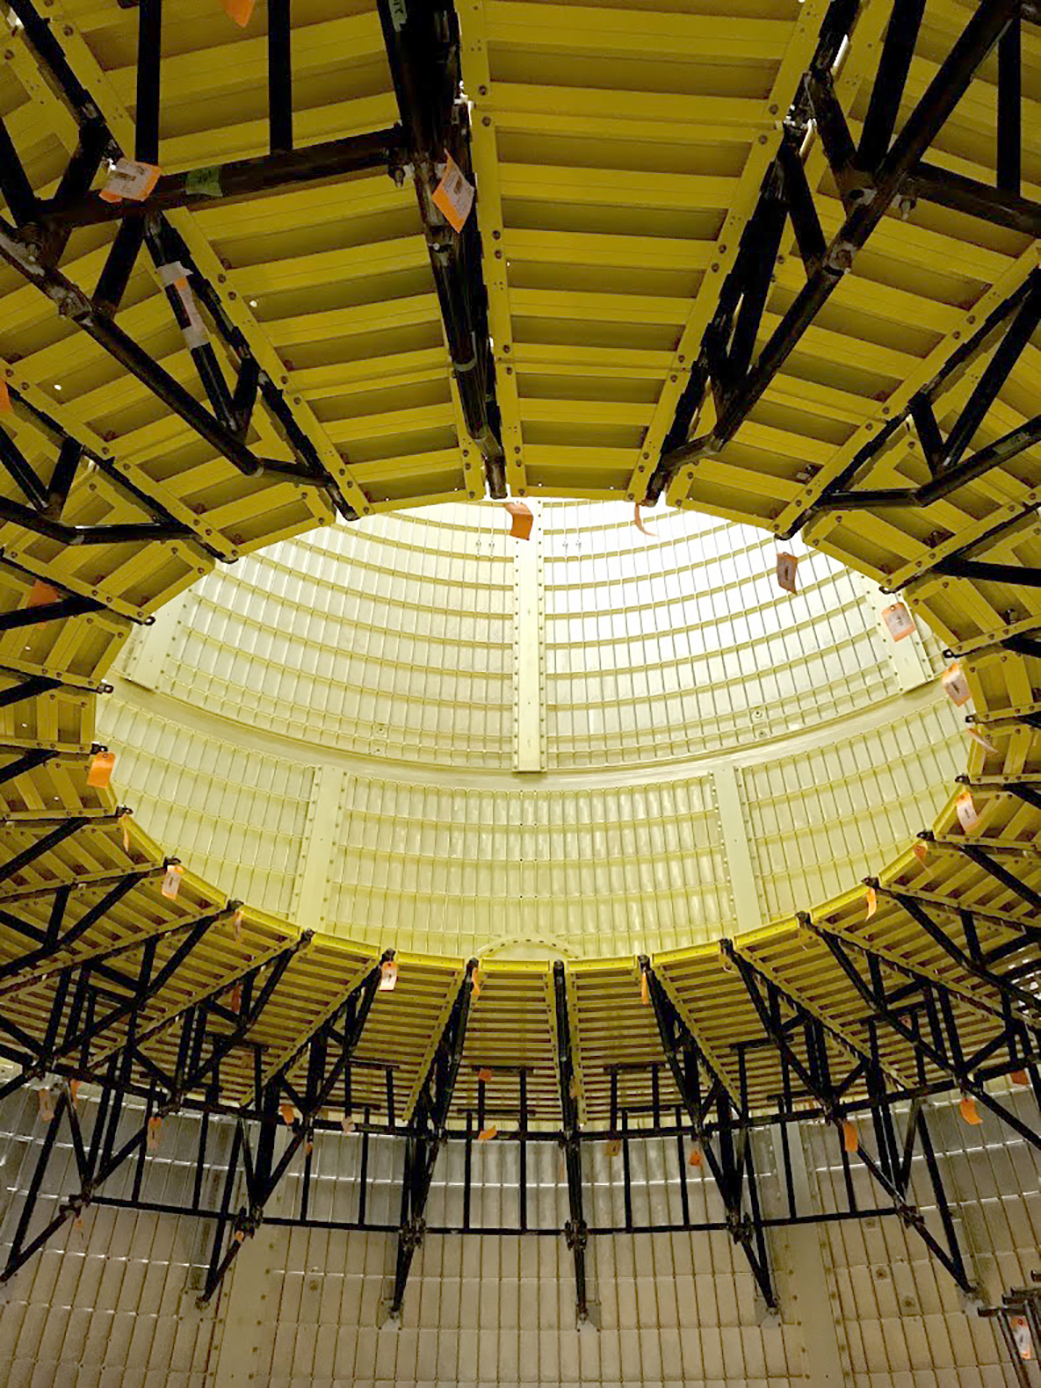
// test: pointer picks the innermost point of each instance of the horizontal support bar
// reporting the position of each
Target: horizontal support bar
(242, 178)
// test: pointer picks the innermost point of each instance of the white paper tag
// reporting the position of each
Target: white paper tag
(899, 621)
(172, 881)
(977, 736)
(786, 566)
(131, 179)
(1021, 1335)
(176, 276)
(955, 685)
(965, 808)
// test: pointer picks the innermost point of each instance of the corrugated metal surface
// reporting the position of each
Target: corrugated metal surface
(116, 1308)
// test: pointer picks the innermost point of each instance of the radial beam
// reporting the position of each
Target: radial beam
(576, 1231)
(426, 1133)
(425, 54)
(768, 1010)
(868, 182)
(264, 1174)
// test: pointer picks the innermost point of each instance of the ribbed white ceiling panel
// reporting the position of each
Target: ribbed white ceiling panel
(391, 640)
(233, 815)
(683, 643)
(395, 639)
(590, 872)
(837, 812)
(569, 868)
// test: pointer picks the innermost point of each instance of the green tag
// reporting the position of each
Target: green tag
(204, 182)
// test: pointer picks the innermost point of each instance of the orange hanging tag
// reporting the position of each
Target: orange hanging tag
(155, 1127)
(308, 1147)
(977, 736)
(288, 1113)
(475, 985)
(965, 808)
(486, 1134)
(520, 525)
(74, 1089)
(130, 178)
(613, 1146)
(100, 771)
(871, 897)
(920, 850)
(236, 925)
(899, 621)
(786, 566)
(645, 988)
(955, 685)
(5, 397)
(347, 1124)
(46, 1102)
(389, 976)
(850, 1136)
(172, 881)
(1021, 1337)
(124, 825)
(696, 1157)
(241, 11)
(236, 997)
(42, 594)
(639, 523)
(484, 1074)
(454, 195)
(1020, 1077)
(967, 1109)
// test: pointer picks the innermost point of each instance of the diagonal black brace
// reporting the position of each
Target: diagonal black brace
(887, 180)
(426, 1133)
(424, 50)
(874, 995)
(576, 1231)
(1001, 874)
(686, 1058)
(43, 845)
(88, 918)
(1023, 999)
(817, 1087)
(266, 1177)
(190, 1079)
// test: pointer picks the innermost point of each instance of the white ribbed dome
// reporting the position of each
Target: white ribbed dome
(342, 711)
(394, 638)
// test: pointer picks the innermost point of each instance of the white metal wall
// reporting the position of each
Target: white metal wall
(587, 871)
(233, 815)
(821, 821)
(583, 870)
(301, 1308)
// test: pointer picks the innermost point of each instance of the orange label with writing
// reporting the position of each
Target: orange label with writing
(454, 195)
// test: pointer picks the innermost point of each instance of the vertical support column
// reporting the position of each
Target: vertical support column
(810, 1298)
(740, 868)
(142, 662)
(529, 652)
(311, 889)
(907, 657)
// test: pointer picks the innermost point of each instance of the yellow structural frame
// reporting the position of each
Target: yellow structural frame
(610, 204)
